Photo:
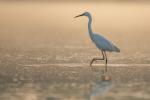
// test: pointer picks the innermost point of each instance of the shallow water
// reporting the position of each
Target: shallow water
(45, 53)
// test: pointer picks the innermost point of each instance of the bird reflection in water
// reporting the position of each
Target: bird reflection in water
(100, 89)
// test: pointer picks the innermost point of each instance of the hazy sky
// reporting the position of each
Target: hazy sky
(24, 24)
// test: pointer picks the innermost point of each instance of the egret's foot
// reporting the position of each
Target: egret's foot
(92, 62)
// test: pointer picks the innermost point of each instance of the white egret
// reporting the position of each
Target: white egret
(101, 43)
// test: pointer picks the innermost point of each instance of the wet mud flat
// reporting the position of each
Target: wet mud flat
(61, 72)
(74, 82)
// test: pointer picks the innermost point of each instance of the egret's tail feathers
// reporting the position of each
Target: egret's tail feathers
(116, 49)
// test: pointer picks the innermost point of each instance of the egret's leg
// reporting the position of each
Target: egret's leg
(106, 61)
(94, 59)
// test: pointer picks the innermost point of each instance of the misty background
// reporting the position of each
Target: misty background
(31, 26)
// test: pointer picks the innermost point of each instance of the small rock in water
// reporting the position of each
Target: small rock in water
(106, 77)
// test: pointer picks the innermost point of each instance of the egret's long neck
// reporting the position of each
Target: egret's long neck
(90, 27)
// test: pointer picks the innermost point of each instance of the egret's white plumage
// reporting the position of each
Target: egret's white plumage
(104, 44)
(101, 42)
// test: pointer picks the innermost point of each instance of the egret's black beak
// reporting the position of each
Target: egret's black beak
(79, 16)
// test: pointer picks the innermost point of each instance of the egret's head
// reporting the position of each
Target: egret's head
(84, 14)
